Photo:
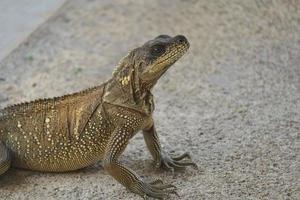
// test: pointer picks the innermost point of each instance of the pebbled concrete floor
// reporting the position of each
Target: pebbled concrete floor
(233, 101)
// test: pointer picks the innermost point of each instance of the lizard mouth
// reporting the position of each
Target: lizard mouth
(171, 57)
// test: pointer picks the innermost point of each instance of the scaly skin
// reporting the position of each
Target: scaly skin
(74, 131)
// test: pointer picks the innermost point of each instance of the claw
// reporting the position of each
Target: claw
(184, 164)
(185, 155)
(173, 191)
(176, 163)
(160, 194)
(166, 165)
(162, 187)
(155, 189)
(157, 181)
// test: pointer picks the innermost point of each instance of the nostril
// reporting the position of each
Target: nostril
(181, 38)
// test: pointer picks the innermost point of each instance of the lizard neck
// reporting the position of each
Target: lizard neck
(129, 93)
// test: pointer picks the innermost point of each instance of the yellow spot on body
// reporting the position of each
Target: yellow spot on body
(19, 125)
(125, 80)
(47, 120)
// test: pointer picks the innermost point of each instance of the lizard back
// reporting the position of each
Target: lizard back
(46, 134)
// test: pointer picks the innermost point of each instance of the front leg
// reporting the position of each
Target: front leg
(127, 177)
(162, 159)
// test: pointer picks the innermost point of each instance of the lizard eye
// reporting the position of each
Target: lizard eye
(157, 50)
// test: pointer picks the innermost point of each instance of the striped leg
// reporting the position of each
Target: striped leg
(127, 177)
(4, 158)
(161, 159)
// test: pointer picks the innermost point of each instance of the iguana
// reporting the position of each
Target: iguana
(74, 131)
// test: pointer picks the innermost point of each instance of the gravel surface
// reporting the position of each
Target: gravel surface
(233, 101)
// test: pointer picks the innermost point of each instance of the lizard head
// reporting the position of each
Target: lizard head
(156, 56)
(146, 64)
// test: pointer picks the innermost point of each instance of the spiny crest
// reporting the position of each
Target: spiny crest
(42, 102)
(124, 62)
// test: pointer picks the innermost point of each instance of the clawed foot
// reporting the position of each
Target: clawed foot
(175, 163)
(155, 189)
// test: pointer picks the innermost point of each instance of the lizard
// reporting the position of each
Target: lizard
(74, 131)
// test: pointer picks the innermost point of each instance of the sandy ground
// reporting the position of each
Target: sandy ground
(233, 101)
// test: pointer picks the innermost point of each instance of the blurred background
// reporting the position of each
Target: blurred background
(20, 18)
(233, 100)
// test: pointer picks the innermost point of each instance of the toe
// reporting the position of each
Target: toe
(181, 157)
(155, 189)
(186, 164)
(157, 181)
